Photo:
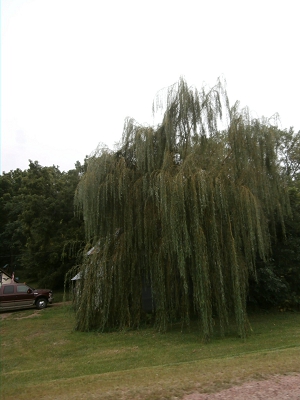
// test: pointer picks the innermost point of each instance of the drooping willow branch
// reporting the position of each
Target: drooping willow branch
(182, 208)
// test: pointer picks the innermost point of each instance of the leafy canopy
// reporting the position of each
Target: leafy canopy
(182, 208)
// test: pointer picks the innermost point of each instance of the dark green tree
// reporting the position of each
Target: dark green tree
(11, 234)
(278, 280)
(182, 208)
(39, 226)
(288, 148)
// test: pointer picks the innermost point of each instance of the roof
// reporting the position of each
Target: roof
(76, 277)
(6, 278)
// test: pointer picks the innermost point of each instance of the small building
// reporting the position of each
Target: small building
(6, 278)
(148, 303)
(76, 277)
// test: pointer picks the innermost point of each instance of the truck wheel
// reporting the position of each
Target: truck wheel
(41, 303)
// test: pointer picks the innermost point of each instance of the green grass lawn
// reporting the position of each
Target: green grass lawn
(42, 357)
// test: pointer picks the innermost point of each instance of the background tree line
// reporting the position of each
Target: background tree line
(278, 279)
(39, 232)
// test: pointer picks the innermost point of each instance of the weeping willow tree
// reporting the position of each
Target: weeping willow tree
(182, 208)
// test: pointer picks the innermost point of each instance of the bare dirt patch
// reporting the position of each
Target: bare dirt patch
(277, 387)
(5, 315)
(9, 314)
(35, 314)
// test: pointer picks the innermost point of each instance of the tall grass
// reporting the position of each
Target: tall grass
(43, 357)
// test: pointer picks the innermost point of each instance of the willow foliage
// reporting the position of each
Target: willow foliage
(182, 208)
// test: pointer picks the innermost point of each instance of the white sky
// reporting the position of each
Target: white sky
(73, 70)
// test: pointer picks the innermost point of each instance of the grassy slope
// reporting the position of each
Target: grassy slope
(42, 357)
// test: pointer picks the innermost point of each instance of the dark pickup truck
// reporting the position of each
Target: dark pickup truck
(19, 295)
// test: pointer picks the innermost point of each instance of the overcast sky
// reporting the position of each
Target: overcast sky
(73, 70)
